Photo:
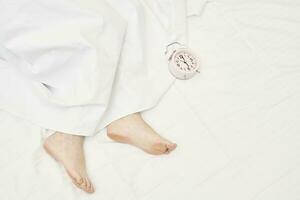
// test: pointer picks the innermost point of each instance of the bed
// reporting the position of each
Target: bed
(237, 123)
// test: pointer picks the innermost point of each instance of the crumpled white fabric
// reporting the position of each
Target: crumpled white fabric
(194, 7)
(76, 65)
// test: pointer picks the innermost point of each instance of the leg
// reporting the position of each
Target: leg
(68, 150)
(133, 130)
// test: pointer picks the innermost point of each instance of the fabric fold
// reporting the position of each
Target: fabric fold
(88, 62)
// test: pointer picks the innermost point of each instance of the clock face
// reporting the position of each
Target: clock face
(185, 61)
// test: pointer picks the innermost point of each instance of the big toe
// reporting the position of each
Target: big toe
(158, 148)
(84, 184)
(170, 147)
(89, 186)
(163, 148)
(81, 182)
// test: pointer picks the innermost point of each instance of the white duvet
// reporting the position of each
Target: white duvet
(236, 123)
(76, 65)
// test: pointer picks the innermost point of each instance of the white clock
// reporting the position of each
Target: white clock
(183, 63)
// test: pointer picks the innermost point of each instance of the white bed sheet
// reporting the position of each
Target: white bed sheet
(236, 123)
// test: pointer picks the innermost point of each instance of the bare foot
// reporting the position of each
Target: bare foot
(68, 150)
(133, 130)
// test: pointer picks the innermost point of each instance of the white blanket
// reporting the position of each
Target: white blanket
(75, 66)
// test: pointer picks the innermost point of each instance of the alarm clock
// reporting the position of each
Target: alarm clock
(183, 63)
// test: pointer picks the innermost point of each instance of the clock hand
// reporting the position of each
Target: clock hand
(185, 62)
(188, 66)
